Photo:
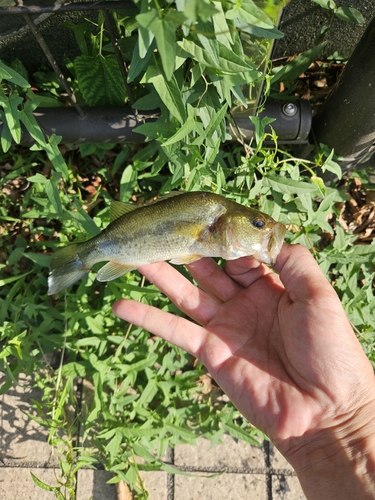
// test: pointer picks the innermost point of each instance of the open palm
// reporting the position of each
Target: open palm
(279, 345)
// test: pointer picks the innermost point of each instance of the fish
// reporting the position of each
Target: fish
(180, 229)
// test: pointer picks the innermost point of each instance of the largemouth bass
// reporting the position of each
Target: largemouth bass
(180, 229)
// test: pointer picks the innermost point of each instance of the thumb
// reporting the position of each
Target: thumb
(301, 275)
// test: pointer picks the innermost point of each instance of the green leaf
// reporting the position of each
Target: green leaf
(27, 118)
(6, 136)
(350, 15)
(247, 11)
(11, 112)
(138, 63)
(100, 80)
(55, 156)
(54, 196)
(297, 66)
(319, 183)
(38, 178)
(182, 132)
(83, 219)
(39, 258)
(169, 92)
(128, 182)
(326, 4)
(199, 8)
(179, 431)
(218, 124)
(7, 73)
(332, 166)
(227, 61)
(238, 433)
(13, 278)
(164, 29)
(288, 186)
(148, 393)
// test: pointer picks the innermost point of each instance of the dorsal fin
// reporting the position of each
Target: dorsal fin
(118, 208)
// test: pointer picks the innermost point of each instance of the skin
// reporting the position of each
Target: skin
(281, 347)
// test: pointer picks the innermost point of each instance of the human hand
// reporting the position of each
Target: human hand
(279, 345)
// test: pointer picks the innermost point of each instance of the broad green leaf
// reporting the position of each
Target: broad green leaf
(222, 30)
(228, 61)
(39, 258)
(350, 14)
(38, 178)
(6, 136)
(218, 124)
(182, 132)
(238, 433)
(11, 112)
(100, 80)
(259, 126)
(12, 278)
(199, 8)
(128, 182)
(54, 196)
(247, 11)
(148, 393)
(164, 29)
(297, 66)
(285, 185)
(169, 92)
(83, 219)
(28, 119)
(138, 63)
(271, 34)
(156, 129)
(55, 156)
(179, 431)
(326, 4)
(43, 101)
(332, 166)
(7, 73)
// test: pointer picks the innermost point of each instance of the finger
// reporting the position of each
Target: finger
(174, 329)
(187, 297)
(246, 270)
(301, 275)
(213, 279)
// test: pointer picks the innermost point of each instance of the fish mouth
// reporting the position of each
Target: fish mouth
(275, 241)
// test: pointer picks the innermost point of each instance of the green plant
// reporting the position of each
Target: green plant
(349, 14)
(141, 395)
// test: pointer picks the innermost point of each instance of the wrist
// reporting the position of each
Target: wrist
(339, 462)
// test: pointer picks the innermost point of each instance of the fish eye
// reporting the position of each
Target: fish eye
(258, 223)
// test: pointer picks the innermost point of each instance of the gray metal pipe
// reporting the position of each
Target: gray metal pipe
(98, 125)
(116, 124)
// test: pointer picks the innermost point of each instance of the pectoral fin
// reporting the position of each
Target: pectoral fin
(113, 270)
(185, 259)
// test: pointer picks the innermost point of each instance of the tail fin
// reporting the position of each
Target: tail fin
(66, 269)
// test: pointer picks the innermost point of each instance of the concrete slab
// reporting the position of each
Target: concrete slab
(93, 483)
(286, 488)
(16, 483)
(277, 461)
(231, 453)
(20, 436)
(156, 484)
(224, 487)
